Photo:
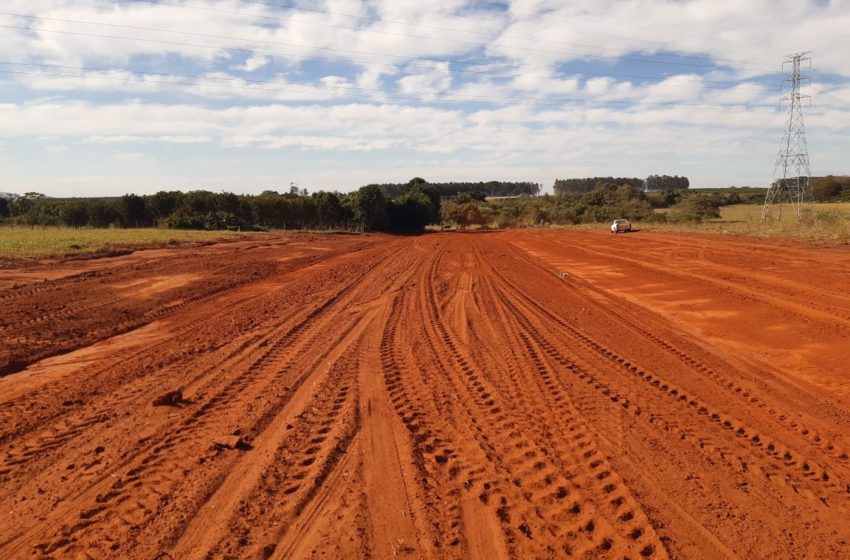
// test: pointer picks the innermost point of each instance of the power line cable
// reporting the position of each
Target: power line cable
(243, 39)
(376, 93)
(356, 61)
(426, 26)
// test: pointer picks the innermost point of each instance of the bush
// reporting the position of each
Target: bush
(826, 188)
(369, 206)
(696, 208)
(411, 212)
(655, 218)
(211, 221)
(467, 214)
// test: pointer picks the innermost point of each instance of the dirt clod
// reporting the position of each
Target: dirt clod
(171, 398)
(231, 442)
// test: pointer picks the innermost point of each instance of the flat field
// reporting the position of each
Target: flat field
(38, 242)
(832, 224)
(522, 394)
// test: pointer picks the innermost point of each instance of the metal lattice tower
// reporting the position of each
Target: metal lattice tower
(791, 175)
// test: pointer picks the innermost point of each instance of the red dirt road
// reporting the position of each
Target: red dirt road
(498, 395)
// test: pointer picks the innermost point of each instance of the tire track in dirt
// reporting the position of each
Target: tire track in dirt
(746, 396)
(216, 406)
(99, 311)
(544, 393)
(773, 457)
(735, 286)
(228, 311)
(830, 446)
(747, 393)
(442, 396)
(531, 463)
(798, 469)
(151, 477)
(300, 466)
(147, 392)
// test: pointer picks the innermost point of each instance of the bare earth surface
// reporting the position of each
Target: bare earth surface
(496, 395)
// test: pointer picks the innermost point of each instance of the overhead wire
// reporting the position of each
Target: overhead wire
(369, 19)
(419, 97)
(275, 54)
(243, 39)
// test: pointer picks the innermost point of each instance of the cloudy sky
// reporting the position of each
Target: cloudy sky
(100, 97)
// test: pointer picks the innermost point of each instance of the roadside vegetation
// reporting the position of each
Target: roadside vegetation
(369, 208)
(831, 225)
(53, 241)
(659, 202)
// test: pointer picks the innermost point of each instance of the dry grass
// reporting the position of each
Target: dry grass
(26, 242)
(831, 226)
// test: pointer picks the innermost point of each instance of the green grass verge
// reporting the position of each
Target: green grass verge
(831, 226)
(26, 242)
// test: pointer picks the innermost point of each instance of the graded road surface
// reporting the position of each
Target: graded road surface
(518, 394)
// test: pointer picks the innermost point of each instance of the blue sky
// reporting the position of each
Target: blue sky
(103, 98)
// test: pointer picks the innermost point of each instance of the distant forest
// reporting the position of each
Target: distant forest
(398, 207)
(490, 188)
(572, 187)
(365, 209)
(391, 207)
(569, 187)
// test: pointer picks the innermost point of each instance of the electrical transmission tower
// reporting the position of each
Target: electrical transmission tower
(791, 175)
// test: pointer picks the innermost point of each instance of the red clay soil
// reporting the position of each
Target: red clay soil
(497, 395)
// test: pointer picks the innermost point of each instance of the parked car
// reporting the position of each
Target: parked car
(621, 225)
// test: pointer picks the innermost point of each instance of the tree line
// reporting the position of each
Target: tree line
(666, 183)
(577, 186)
(390, 207)
(484, 189)
(408, 207)
(365, 209)
(604, 202)
(831, 188)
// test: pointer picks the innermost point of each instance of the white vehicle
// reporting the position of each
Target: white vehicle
(621, 225)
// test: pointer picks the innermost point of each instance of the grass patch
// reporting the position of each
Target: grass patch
(832, 224)
(26, 242)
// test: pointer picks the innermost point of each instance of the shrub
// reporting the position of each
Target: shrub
(696, 208)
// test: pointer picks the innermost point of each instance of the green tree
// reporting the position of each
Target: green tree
(103, 214)
(162, 204)
(575, 187)
(329, 209)
(227, 202)
(469, 196)
(30, 208)
(5, 212)
(75, 214)
(825, 188)
(666, 183)
(269, 210)
(417, 183)
(417, 186)
(466, 214)
(411, 212)
(133, 211)
(370, 208)
(697, 207)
